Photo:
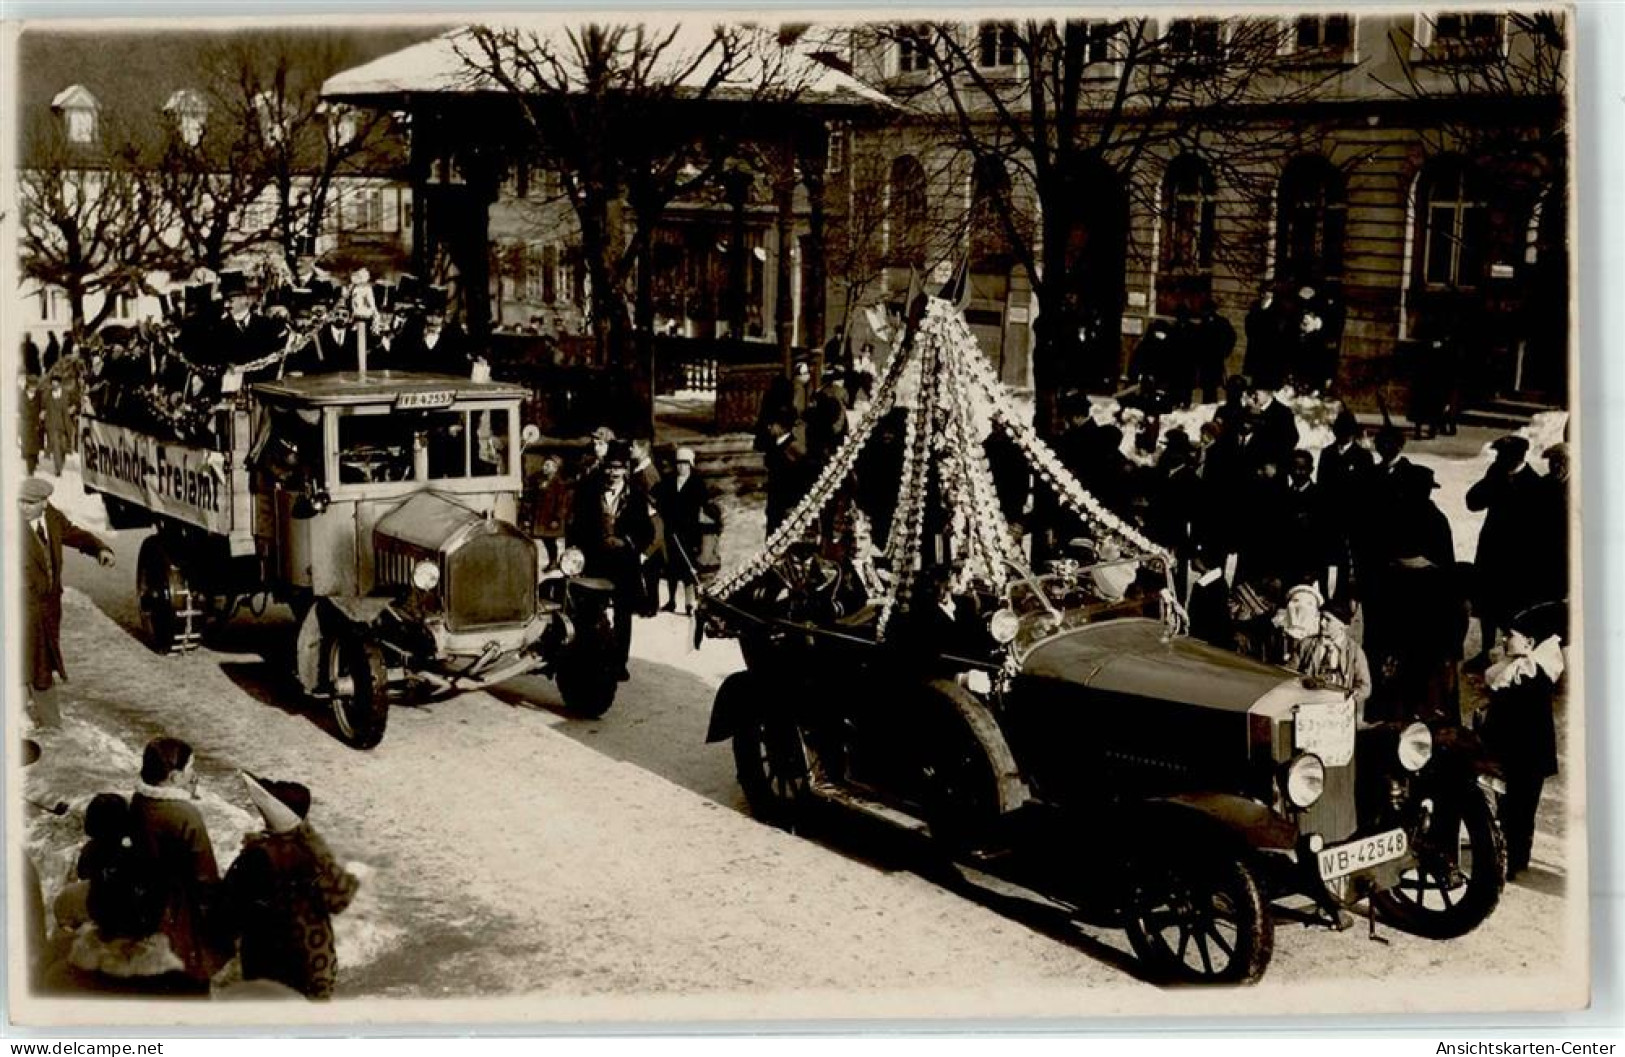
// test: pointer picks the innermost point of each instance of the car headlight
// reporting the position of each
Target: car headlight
(572, 562)
(1415, 746)
(1305, 780)
(426, 575)
(1003, 625)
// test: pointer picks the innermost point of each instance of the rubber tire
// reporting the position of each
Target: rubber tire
(586, 677)
(770, 760)
(1483, 888)
(362, 717)
(157, 579)
(1195, 867)
(962, 798)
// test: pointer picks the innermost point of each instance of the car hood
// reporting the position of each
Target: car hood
(1131, 657)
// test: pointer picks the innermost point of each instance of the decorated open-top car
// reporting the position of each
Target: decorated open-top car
(1057, 728)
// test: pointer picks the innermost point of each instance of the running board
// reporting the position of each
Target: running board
(874, 809)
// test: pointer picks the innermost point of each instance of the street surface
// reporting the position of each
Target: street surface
(607, 869)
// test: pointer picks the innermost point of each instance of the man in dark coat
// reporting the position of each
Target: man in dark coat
(826, 420)
(1274, 435)
(1344, 477)
(45, 531)
(333, 347)
(242, 336)
(1213, 342)
(58, 423)
(1415, 617)
(1549, 549)
(789, 468)
(1268, 340)
(53, 350)
(1208, 604)
(610, 524)
(30, 422)
(430, 344)
(1510, 496)
(1308, 552)
(166, 826)
(31, 356)
(1159, 366)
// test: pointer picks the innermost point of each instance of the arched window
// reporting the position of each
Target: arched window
(1454, 226)
(1311, 217)
(990, 197)
(1188, 208)
(908, 211)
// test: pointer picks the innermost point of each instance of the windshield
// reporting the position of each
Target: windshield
(1076, 595)
(422, 445)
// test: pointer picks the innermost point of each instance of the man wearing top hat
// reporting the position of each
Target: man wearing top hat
(45, 531)
(1510, 496)
(430, 344)
(610, 524)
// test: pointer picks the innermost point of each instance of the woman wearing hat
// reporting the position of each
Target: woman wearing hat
(685, 503)
(1519, 727)
(282, 892)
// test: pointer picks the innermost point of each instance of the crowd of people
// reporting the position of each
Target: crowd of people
(637, 526)
(165, 375)
(148, 911)
(1291, 340)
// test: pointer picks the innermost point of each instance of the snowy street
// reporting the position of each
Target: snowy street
(510, 849)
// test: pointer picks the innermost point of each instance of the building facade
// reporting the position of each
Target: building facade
(1411, 168)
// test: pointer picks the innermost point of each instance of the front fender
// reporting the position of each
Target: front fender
(1254, 824)
(738, 694)
(328, 617)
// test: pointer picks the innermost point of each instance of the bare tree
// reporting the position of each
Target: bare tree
(90, 218)
(618, 113)
(1064, 126)
(266, 168)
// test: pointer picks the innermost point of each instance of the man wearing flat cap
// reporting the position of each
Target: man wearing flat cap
(45, 532)
(1509, 495)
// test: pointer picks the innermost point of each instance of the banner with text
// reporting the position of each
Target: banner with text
(163, 476)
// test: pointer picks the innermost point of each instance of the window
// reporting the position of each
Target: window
(1328, 32)
(78, 109)
(550, 274)
(1104, 42)
(1196, 38)
(1311, 217)
(913, 49)
(996, 45)
(1460, 34)
(1455, 221)
(370, 210)
(188, 112)
(908, 211)
(836, 159)
(381, 445)
(989, 244)
(1188, 210)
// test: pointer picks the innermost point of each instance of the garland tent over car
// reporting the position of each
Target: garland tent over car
(952, 403)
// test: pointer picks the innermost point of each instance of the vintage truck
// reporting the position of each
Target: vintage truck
(380, 507)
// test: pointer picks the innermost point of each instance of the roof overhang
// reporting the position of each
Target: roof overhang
(447, 67)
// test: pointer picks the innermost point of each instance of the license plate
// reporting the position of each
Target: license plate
(1344, 859)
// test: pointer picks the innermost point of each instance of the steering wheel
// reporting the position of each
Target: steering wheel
(375, 462)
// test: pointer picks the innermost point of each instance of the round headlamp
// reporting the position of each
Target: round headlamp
(572, 562)
(426, 575)
(1415, 746)
(1305, 780)
(1003, 625)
